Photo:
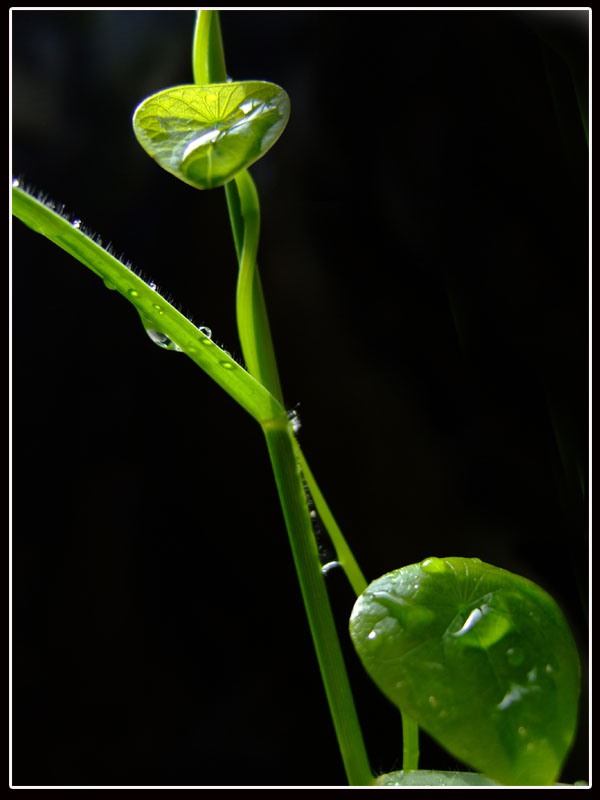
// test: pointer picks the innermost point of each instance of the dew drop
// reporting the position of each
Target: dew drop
(152, 286)
(109, 285)
(16, 183)
(158, 337)
(158, 308)
(205, 330)
(163, 341)
(226, 364)
(329, 566)
(433, 565)
(432, 701)
(372, 635)
(470, 622)
(295, 420)
(77, 224)
(133, 293)
(208, 138)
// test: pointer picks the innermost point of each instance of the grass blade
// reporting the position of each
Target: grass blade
(217, 364)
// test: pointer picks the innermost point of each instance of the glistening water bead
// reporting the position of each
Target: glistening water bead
(162, 341)
(482, 659)
(158, 337)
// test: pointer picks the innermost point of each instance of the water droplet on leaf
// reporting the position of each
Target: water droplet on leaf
(433, 565)
(481, 626)
(470, 622)
(205, 135)
(158, 337)
(162, 341)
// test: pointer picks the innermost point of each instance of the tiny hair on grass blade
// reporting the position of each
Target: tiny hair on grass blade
(217, 363)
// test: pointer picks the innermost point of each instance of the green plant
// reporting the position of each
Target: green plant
(170, 327)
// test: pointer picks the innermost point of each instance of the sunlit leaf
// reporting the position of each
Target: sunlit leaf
(206, 134)
(482, 659)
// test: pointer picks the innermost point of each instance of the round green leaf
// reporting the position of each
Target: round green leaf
(206, 134)
(483, 660)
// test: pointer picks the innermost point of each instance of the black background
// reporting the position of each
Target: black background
(424, 253)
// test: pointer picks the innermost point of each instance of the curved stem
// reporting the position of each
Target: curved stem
(343, 553)
(252, 320)
(208, 61)
(258, 352)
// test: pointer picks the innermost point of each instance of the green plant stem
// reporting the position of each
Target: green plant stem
(208, 58)
(257, 347)
(410, 743)
(259, 354)
(252, 319)
(280, 443)
(343, 553)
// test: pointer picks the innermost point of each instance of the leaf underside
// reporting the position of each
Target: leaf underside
(483, 660)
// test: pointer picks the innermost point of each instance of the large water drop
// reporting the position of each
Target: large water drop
(158, 337)
(161, 340)
(433, 565)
